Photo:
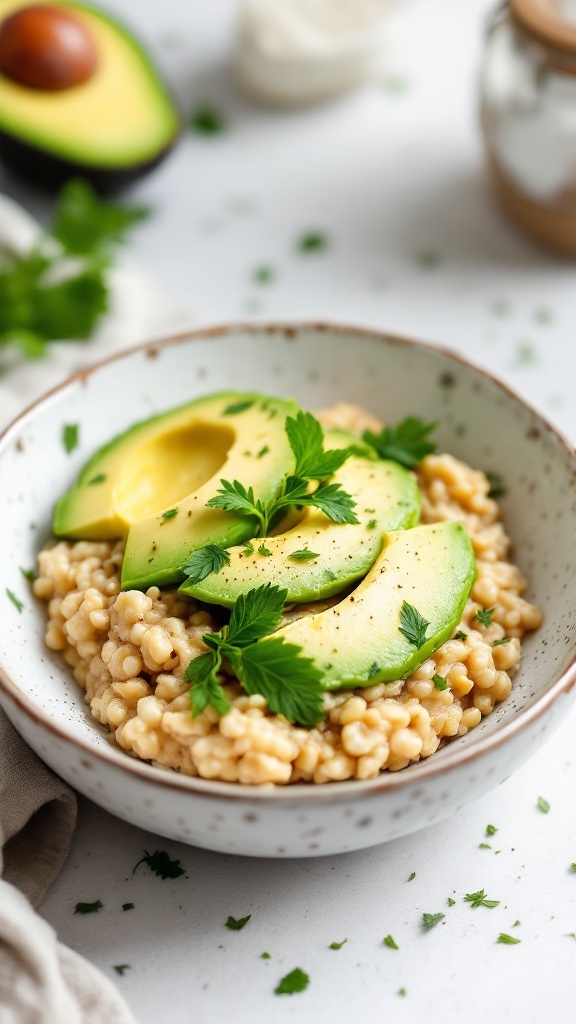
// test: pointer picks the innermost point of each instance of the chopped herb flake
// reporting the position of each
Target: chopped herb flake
(312, 241)
(502, 640)
(159, 862)
(204, 561)
(265, 956)
(573, 867)
(507, 940)
(460, 635)
(484, 846)
(304, 555)
(207, 120)
(70, 437)
(296, 981)
(496, 489)
(170, 514)
(484, 616)
(373, 670)
(543, 805)
(389, 941)
(235, 924)
(337, 945)
(491, 830)
(263, 550)
(98, 479)
(412, 625)
(451, 902)
(371, 524)
(237, 407)
(439, 682)
(127, 906)
(431, 920)
(29, 574)
(402, 991)
(15, 601)
(264, 274)
(516, 923)
(428, 259)
(263, 451)
(121, 968)
(411, 876)
(479, 899)
(248, 549)
(88, 908)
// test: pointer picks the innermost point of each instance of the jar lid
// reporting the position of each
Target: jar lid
(544, 20)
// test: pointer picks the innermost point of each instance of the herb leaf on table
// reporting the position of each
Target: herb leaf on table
(160, 863)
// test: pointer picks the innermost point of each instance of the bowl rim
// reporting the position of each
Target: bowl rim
(336, 792)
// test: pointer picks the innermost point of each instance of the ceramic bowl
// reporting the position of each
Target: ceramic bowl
(480, 420)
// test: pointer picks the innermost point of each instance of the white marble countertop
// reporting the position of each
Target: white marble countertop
(392, 176)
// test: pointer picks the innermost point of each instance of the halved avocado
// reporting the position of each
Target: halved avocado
(358, 642)
(153, 482)
(387, 498)
(110, 130)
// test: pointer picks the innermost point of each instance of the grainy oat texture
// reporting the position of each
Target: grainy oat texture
(129, 652)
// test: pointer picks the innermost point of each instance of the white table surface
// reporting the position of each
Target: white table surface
(387, 174)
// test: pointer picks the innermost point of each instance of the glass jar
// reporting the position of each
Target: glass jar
(528, 104)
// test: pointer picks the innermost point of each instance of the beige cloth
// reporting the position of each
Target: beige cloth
(41, 981)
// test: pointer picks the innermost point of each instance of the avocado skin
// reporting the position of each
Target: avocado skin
(49, 172)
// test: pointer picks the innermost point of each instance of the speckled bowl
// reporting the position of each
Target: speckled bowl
(480, 420)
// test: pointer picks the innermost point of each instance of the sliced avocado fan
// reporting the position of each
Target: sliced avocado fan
(359, 641)
(317, 557)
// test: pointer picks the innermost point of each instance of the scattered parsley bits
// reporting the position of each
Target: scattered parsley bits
(296, 981)
(428, 259)
(121, 968)
(29, 574)
(98, 479)
(412, 625)
(507, 940)
(127, 906)
(304, 555)
(207, 120)
(431, 920)
(237, 407)
(516, 923)
(371, 524)
(204, 561)
(484, 616)
(573, 867)
(439, 682)
(70, 436)
(170, 514)
(411, 876)
(265, 956)
(263, 451)
(479, 899)
(402, 991)
(88, 908)
(248, 549)
(373, 670)
(406, 443)
(235, 924)
(389, 941)
(337, 945)
(502, 640)
(264, 274)
(15, 601)
(263, 550)
(159, 862)
(312, 241)
(543, 805)
(460, 635)
(484, 846)
(491, 830)
(451, 902)
(496, 489)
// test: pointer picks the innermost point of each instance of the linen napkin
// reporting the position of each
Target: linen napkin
(41, 980)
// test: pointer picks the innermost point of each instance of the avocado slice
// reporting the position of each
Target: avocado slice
(358, 641)
(110, 129)
(153, 481)
(387, 498)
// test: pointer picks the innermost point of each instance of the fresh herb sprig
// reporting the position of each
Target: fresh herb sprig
(312, 464)
(276, 670)
(59, 289)
(407, 443)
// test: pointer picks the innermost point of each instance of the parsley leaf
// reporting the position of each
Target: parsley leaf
(127, 906)
(236, 407)
(236, 924)
(491, 830)
(312, 241)
(296, 981)
(543, 805)
(159, 862)
(337, 945)
(413, 625)
(507, 940)
(204, 561)
(306, 439)
(70, 437)
(460, 635)
(484, 616)
(206, 690)
(29, 574)
(248, 549)
(170, 514)
(207, 120)
(439, 682)
(389, 941)
(334, 502)
(479, 899)
(121, 968)
(88, 908)
(255, 614)
(431, 920)
(265, 956)
(304, 555)
(263, 550)
(15, 601)
(503, 640)
(84, 224)
(290, 682)
(406, 443)
(497, 489)
(234, 497)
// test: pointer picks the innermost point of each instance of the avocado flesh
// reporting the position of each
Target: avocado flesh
(358, 641)
(387, 498)
(110, 129)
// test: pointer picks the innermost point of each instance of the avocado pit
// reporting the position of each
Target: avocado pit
(45, 47)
